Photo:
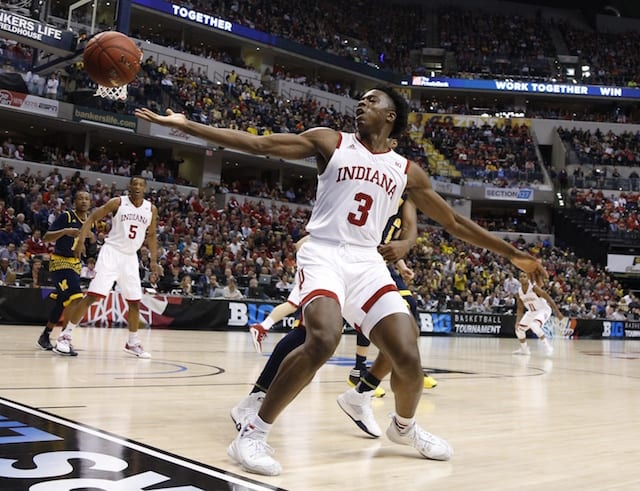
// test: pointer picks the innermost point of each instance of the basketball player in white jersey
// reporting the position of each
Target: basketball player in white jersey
(538, 305)
(340, 271)
(134, 220)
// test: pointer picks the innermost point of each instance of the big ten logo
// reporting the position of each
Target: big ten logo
(612, 329)
(289, 321)
(434, 322)
(243, 314)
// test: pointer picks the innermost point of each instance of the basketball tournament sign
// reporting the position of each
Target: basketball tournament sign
(42, 452)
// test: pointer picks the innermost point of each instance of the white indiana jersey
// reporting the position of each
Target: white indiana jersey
(531, 300)
(129, 226)
(357, 193)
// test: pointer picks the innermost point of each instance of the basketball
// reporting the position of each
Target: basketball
(112, 59)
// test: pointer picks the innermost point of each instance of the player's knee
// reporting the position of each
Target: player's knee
(521, 331)
(319, 348)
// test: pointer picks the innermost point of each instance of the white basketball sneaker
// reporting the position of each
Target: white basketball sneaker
(431, 446)
(253, 454)
(357, 406)
(136, 350)
(246, 409)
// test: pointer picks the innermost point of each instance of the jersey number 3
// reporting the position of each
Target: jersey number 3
(360, 218)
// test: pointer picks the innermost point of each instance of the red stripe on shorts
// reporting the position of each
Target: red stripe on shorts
(319, 293)
(376, 296)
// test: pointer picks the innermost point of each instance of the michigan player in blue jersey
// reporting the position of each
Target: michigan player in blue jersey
(65, 268)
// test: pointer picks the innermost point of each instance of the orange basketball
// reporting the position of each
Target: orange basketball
(112, 59)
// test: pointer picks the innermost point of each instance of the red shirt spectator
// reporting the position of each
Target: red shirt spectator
(35, 244)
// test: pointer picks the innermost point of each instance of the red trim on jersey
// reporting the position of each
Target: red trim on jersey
(367, 148)
(132, 301)
(406, 169)
(93, 294)
(339, 140)
(294, 304)
(376, 296)
(319, 293)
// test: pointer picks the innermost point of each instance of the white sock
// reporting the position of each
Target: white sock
(257, 429)
(267, 323)
(403, 424)
(69, 328)
(133, 338)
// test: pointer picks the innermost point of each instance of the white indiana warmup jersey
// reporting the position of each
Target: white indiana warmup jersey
(129, 226)
(531, 300)
(357, 193)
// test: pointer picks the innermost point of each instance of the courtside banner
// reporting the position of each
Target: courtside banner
(43, 452)
(104, 118)
(29, 103)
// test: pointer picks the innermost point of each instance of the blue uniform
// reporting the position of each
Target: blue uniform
(64, 267)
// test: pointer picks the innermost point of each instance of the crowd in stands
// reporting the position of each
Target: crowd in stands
(603, 149)
(452, 275)
(613, 58)
(484, 44)
(615, 213)
(500, 155)
(247, 249)
(495, 46)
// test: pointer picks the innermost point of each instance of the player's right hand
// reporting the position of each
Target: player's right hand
(171, 119)
(78, 249)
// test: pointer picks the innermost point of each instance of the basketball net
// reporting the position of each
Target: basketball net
(112, 93)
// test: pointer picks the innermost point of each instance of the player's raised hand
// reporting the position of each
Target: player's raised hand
(171, 119)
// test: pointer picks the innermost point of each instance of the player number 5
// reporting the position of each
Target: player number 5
(133, 230)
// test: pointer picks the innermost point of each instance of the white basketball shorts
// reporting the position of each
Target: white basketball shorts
(357, 277)
(113, 265)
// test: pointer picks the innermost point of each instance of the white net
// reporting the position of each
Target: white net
(113, 93)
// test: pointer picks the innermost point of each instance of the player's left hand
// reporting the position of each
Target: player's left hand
(394, 250)
(531, 266)
(406, 273)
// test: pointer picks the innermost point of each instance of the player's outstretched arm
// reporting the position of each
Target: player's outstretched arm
(433, 205)
(284, 145)
(110, 206)
(541, 293)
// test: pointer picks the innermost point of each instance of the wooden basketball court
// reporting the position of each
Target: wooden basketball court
(569, 422)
